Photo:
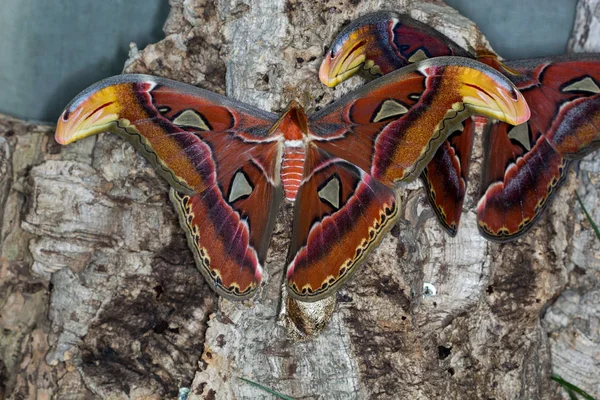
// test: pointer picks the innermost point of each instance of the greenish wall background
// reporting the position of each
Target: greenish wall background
(51, 50)
(522, 28)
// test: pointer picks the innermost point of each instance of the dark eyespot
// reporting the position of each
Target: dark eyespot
(514, 95)
(336, 48)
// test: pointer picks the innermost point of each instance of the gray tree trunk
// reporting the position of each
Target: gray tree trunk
(99, 296)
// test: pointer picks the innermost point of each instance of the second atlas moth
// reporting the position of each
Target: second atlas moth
(230, 164)
(524, 165)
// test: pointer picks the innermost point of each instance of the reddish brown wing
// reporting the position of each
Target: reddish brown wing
(383, 42)
(566, 95)
(523, 171)
(445, 177)
(392, 127)
(363, 144)
(340, 216)
(519, 177)
(525, 165)
(217, 153)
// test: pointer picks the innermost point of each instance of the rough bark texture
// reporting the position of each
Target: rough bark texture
(99, 297)
(573, 320)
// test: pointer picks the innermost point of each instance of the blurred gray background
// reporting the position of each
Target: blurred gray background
(51, 50)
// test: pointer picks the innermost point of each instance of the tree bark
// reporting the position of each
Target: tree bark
(573, 320)
(100, 297)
